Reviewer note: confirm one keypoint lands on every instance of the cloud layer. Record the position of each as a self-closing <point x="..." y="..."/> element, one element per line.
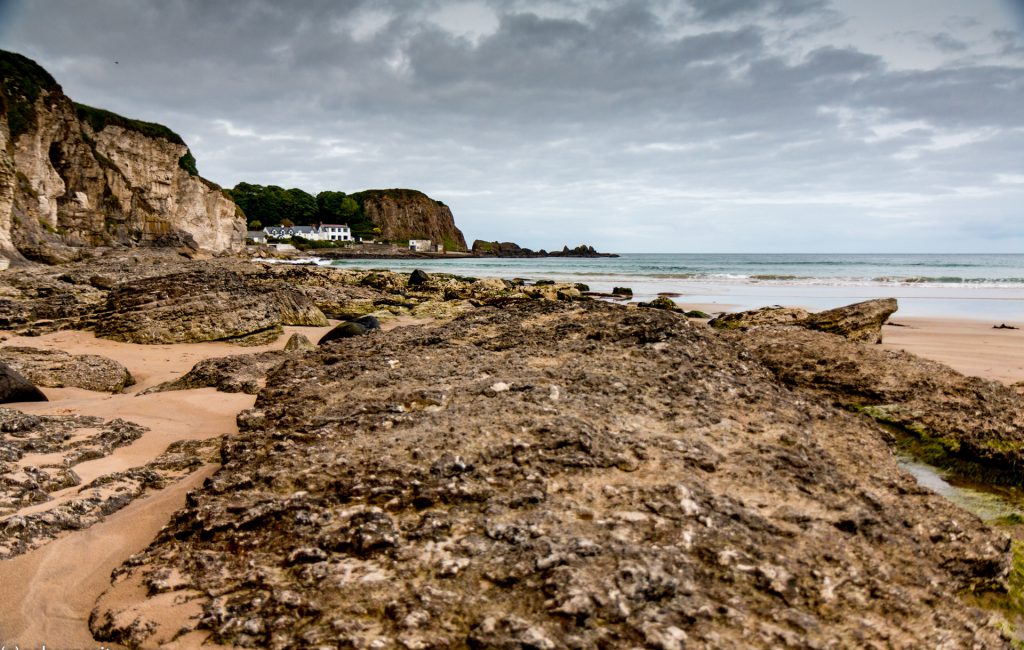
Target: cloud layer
<point x="703" y="126"/>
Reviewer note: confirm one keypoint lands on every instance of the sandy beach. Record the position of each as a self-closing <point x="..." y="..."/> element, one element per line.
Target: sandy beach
<point x="973" y="347"/>
<point x="50" y="591"/>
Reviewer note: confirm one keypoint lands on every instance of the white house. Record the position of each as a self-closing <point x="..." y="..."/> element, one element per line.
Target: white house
<point x="335" y="232"/>
<point x="256" y="236"/>
<point x="323" y="232"/>
<point x="420" y="245"/>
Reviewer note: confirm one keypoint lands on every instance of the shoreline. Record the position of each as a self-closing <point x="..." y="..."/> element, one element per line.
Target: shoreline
<point x="965" y="300"/>
<point x="63" y="579"/>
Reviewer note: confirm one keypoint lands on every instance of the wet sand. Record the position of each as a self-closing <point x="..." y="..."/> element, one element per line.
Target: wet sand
<point x="48" y="593"/>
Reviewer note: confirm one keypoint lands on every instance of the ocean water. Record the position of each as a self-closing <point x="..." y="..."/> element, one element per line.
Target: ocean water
<point x="986" y="287"/>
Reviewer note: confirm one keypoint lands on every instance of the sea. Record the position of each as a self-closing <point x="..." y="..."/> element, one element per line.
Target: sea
<point x="984" y="287"/>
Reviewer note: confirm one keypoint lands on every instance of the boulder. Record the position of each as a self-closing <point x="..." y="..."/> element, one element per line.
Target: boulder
<point x="418" y="277"/>
<point x="204" y="304"/>
<point x="348" y="329"/>
<point x="661" y="302"/>
<point x="858" y="322"/>
<point x="15" y="388"/>
<point x="58" y="369"/>
<point x="240" y="373"/>
<point x="298" y="343"/>
<point x="763" y="317"/>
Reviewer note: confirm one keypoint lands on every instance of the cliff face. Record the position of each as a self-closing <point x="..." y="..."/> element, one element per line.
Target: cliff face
<point x="409" y="214"/>
<point x="72" y="176"/>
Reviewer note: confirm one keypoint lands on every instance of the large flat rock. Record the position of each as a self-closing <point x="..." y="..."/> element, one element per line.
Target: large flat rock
<point x="58" y="369"/>
<point x="554" y="475"/>
<point x="206" y="304"/>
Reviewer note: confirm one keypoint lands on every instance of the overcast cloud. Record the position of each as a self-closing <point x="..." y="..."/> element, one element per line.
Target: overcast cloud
<point x="667" y="125"/>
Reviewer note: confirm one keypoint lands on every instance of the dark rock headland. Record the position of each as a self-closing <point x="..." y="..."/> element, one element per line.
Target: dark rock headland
<point x="509" y="249"/>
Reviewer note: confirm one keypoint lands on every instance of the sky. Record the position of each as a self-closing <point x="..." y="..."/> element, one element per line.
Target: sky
<point x="641" y="126"/>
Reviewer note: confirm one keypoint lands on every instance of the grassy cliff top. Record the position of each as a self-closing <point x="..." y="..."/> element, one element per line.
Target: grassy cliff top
<point x="21" y="74"/>
<point x="99" y="119"/>
<point x="21" y="82"/>
<point x="398" y="194"/>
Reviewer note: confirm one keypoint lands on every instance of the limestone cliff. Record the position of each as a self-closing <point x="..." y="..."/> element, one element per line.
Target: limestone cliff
<point x="72" y="176"/>
<point x="408" y="214"/>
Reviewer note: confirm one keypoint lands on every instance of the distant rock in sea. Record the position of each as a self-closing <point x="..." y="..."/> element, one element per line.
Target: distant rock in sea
<point x="483" y="248"/>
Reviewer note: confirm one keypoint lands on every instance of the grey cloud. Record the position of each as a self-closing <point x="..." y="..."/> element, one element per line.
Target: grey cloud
<point x="947" y="43"/>
<point x="567" y="116"/>
<point x="716" y="10"/>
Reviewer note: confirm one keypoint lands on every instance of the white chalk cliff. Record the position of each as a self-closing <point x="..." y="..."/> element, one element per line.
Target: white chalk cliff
<point x="73" y="177"/>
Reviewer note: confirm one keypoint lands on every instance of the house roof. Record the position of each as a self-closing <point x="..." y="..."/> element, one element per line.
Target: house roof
<point x="334" y="225"/>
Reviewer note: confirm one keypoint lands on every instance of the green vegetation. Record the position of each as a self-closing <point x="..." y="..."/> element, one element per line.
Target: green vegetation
<point x="1009" y="603"/>
<point x="21" y="82"/>
<point x="271" y="205"/>
<point x="100" y="119"/>
<point x="972" y="462"/>
<point x="188" y="163"/>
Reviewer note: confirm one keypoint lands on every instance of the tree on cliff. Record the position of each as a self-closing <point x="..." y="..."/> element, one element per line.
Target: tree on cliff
<point x="271" y="204"/>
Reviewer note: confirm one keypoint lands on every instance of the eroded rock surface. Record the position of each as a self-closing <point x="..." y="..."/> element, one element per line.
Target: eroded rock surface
<point x="77" y="509"/>
<point x="861" y="321"/>
<point x="58" y="369"/>
<point x="241" y="373"/>
<point x="554" y="474"/>
<point x="957" y="418"/>
<point x="763" y="317"/>
<point x="209" y="304"/>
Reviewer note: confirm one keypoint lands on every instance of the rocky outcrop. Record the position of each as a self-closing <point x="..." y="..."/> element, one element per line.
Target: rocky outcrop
<point x="348" y="329"/>
<point x="16" y="388"/>
<point x="483" y="248"/>
<point x="240" y="373"/>
<point x="861" y="321"/>
<point x="963" y="423"/>
<point x="402" y="215"/>
<point x="206" y="304"/>
<point x="72" y="176"/>
<point x="58" y="369"/>
<point x="113" y="293"/>
<point x="556" y="474"/>
<point x="858" y="322"/>
<point x="40" y="501"/>
<point x="762" y="317"/>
